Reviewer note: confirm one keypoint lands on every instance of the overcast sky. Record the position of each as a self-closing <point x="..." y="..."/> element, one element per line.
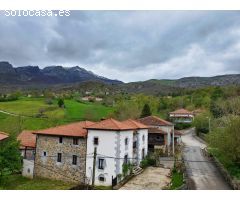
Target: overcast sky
<point x="127" y="45"/>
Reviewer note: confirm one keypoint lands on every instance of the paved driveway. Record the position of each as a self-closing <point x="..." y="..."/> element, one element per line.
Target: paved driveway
<point x="153" y="178"/>
<point x="204" y="174"/>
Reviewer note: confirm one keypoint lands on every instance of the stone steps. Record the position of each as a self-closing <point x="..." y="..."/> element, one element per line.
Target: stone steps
<point x="137" y="170"/>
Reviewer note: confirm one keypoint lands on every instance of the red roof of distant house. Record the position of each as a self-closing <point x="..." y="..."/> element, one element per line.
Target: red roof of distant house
<point x="110" y="124"/>
<point x="74" y="129"/>
<point x="27" y="139"/>
<point x="154" y="121"/>
<point x="3" y="136"/>
<point x="135" y="124"/>
<point x="181" y="111"/>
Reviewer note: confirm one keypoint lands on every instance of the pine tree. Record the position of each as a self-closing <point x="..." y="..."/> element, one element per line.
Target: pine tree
<point x="146" y="111"/>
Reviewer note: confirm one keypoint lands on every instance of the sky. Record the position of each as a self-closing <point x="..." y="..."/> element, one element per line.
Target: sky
<point x="127" y="45"/>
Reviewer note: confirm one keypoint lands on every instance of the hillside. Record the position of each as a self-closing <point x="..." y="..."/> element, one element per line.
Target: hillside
<point x="58" y="78"/>
<point x="33" y="75"/>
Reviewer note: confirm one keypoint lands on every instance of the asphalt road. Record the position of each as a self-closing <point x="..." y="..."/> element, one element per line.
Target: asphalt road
<point x="203" y="173"/>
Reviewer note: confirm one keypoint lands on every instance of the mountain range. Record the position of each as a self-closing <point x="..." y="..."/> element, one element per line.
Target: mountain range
<point x="61" y="77"/>
<point x="32" y="75"/>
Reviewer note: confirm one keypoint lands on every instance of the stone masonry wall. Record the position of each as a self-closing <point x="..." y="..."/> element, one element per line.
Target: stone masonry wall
<point x="48" y="167"/>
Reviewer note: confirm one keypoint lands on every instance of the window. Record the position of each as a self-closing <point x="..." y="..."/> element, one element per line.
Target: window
<point x="74" y="160"/>
<point x="75" y="141"/>
<point x="44" y="153"/>
<point x="59" y="157"/>
<point x="126" y="141"/>
<point x="126" y="159"/>
<point x="101" y="163"/>
<point x="135" y="144"/>
<point x="95" y="140"/>
<point x="143" y="154"/>
<point x="60" y="140"/>
<point x="143" y="138"/>
<point x="101" y="178"/>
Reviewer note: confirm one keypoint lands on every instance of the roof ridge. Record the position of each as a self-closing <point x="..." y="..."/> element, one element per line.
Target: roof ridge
<point x="114" y="121"/>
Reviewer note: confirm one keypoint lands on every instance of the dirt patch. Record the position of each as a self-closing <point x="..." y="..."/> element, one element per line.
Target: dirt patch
<point x="153" y="178"/>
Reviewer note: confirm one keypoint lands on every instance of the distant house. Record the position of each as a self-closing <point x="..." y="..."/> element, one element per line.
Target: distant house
<point x="3" y="136"/>
<point x="61" y="152"/>
<point x="160" y="133"/>
<point x="27" y="147"/>
<point x="91" y="98"/>
<point x="116" y="143"/>
<point x="181" y="116"/>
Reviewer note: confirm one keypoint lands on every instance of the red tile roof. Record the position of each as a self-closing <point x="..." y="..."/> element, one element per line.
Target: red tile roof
<point x="154" y="121"/>
<point x="27" y="139"/>
<point x="74" y="129"/>
<point x="135" y="124"/>
<point x="3" y="136"/>
<point x="110" y="124"/>
<point x="181" y="111"/>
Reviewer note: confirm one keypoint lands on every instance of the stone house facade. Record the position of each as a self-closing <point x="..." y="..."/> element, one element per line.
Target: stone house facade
<point x="61" y="152"/>
<point x="54" y="160"/>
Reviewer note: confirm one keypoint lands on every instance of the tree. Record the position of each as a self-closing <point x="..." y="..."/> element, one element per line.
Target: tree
<point x="60" y="103"/>
<point x="146" y="111"/>
<point x="10" y="157"/>
<point x="227" y="141"/>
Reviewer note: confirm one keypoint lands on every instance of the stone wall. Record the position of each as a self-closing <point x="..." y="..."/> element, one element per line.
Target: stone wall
<point x="48" y="167"/>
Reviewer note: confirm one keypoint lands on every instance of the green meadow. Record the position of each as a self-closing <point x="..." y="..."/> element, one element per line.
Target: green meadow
<point x="52" y="115"/>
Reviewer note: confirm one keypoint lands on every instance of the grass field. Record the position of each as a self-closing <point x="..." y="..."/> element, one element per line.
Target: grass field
<point x="74" y="111"/>
<point x="17" y="182"/>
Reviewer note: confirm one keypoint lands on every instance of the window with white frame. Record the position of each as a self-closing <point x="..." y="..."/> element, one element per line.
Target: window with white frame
<point x="95" y="141"/>
<point x="101" y="163"/>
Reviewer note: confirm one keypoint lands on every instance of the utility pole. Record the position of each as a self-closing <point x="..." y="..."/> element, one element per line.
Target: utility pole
<point x="94" y="165"/>
<point x="173" y="148"/>
<point x="209" y="123"/>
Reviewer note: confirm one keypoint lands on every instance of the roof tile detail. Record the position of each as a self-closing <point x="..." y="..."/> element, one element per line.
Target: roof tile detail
<point x="76" y="129"/>
<point x="27" y="139"/>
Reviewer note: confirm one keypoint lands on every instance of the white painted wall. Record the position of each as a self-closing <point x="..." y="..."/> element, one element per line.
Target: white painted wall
<point x="28" y="166"/>
<point x="112" y="144"/>
<point x="142" y="144"/>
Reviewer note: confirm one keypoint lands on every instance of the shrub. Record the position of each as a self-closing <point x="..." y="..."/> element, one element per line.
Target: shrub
<point x="144" y="164"/>
<point x="60" y="103"/>
<point x="181" y="126"/>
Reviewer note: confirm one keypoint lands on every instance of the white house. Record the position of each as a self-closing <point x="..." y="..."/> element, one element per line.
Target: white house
<point x="181" y="116"/>
<point x="116" y="143"/>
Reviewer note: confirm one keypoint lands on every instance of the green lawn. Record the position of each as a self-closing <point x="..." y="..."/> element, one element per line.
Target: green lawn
<point x="17" y="182"/>
<point x="74" y="111"/>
